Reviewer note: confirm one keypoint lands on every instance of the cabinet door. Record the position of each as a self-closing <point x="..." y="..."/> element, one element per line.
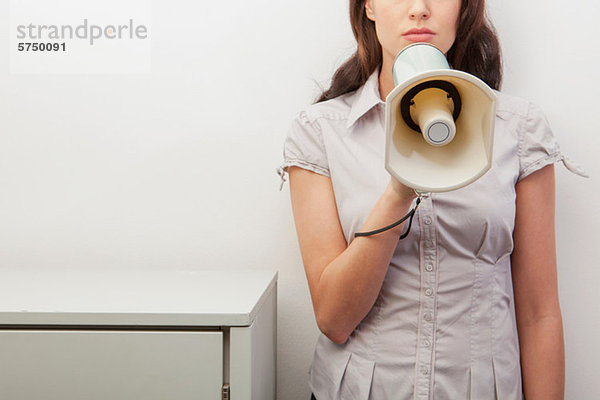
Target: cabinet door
<point x="115" y="365"/>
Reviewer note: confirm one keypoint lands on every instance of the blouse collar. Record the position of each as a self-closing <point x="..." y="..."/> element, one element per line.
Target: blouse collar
<point x="367" y="97"/>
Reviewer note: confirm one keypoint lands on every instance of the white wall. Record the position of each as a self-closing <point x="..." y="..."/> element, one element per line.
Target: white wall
<point x="177" y="167"/>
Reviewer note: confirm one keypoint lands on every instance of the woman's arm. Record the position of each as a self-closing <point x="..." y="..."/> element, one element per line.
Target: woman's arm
<point x="537" y="307"/>
<point x="344" y="281"/>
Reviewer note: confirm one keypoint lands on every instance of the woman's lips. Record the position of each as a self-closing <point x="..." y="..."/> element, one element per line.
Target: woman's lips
<point x="418" y="37"/>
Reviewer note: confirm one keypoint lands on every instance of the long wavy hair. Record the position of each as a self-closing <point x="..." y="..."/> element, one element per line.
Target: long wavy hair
<point x="476" y="49"/>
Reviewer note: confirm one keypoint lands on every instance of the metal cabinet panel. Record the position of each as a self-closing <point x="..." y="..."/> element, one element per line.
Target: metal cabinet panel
<point x="116" y="365"/>
<point x="253" y="374"/>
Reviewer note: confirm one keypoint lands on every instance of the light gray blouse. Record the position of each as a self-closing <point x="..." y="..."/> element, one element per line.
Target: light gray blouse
<point x="443" y="326"/>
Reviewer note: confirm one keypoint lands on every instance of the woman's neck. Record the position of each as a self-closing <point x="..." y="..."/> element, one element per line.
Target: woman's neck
<point x="386" y="79"/>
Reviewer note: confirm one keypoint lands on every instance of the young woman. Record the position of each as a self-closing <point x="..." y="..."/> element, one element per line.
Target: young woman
<point x="466" y="306"/>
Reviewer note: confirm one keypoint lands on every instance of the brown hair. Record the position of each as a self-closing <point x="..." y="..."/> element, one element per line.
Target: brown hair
<point x="476" y="49"/>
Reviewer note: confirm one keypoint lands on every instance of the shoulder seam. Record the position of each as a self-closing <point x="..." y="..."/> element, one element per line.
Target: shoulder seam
<point x="506" y="107"/>
<point x="313" y="116"/>
<point x="524" y="121"/>
<point x="512" y="111"/>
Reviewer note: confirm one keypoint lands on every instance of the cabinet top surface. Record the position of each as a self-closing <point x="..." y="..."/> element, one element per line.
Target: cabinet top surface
<point x="133" y="297"/>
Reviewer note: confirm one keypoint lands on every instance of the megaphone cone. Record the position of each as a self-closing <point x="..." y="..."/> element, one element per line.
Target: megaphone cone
<point x="439" y="122"/>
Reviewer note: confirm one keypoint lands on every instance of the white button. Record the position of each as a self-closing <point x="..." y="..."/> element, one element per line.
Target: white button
<point x="424" y="370"/>
<point x="428" y="220"/>
<point x="427" y="317"/>
<point x="428" y="243"/>
<point x="426" y="343"/>
<point x="429" y="292"/>
<point x="429" y="267"/>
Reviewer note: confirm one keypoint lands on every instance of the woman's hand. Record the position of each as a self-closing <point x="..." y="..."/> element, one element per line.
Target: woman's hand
<point x="402" y="191"/>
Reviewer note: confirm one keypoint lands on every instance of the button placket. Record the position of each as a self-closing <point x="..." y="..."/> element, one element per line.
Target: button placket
<point x="428" y="255"/>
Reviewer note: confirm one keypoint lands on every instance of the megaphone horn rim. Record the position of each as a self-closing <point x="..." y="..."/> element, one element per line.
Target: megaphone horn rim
<point x="438" y="189"/>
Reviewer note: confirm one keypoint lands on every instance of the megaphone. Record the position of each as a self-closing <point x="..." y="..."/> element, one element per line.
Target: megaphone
<point x="439" y="122"/>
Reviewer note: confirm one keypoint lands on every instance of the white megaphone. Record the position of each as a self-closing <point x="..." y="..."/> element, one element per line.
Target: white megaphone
<point x="439" y="122"/>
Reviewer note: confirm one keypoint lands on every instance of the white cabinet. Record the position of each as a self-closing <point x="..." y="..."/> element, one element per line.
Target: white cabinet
<point x="123" y="334"/>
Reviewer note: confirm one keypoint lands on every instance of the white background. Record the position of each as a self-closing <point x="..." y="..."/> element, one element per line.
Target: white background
<point x="176" y="168"/>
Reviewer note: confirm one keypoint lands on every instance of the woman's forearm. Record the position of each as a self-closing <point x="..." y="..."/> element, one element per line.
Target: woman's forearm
<point x="543" y="358"/>
<point x="351" y="283"/>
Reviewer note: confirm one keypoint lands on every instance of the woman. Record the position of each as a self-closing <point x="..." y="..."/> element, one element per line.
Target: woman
<point x="435" y="315"/>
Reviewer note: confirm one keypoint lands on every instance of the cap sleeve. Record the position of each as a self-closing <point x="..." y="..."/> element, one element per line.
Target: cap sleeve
<point x="304" y="147"/>
<point x="538" y="146"/>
